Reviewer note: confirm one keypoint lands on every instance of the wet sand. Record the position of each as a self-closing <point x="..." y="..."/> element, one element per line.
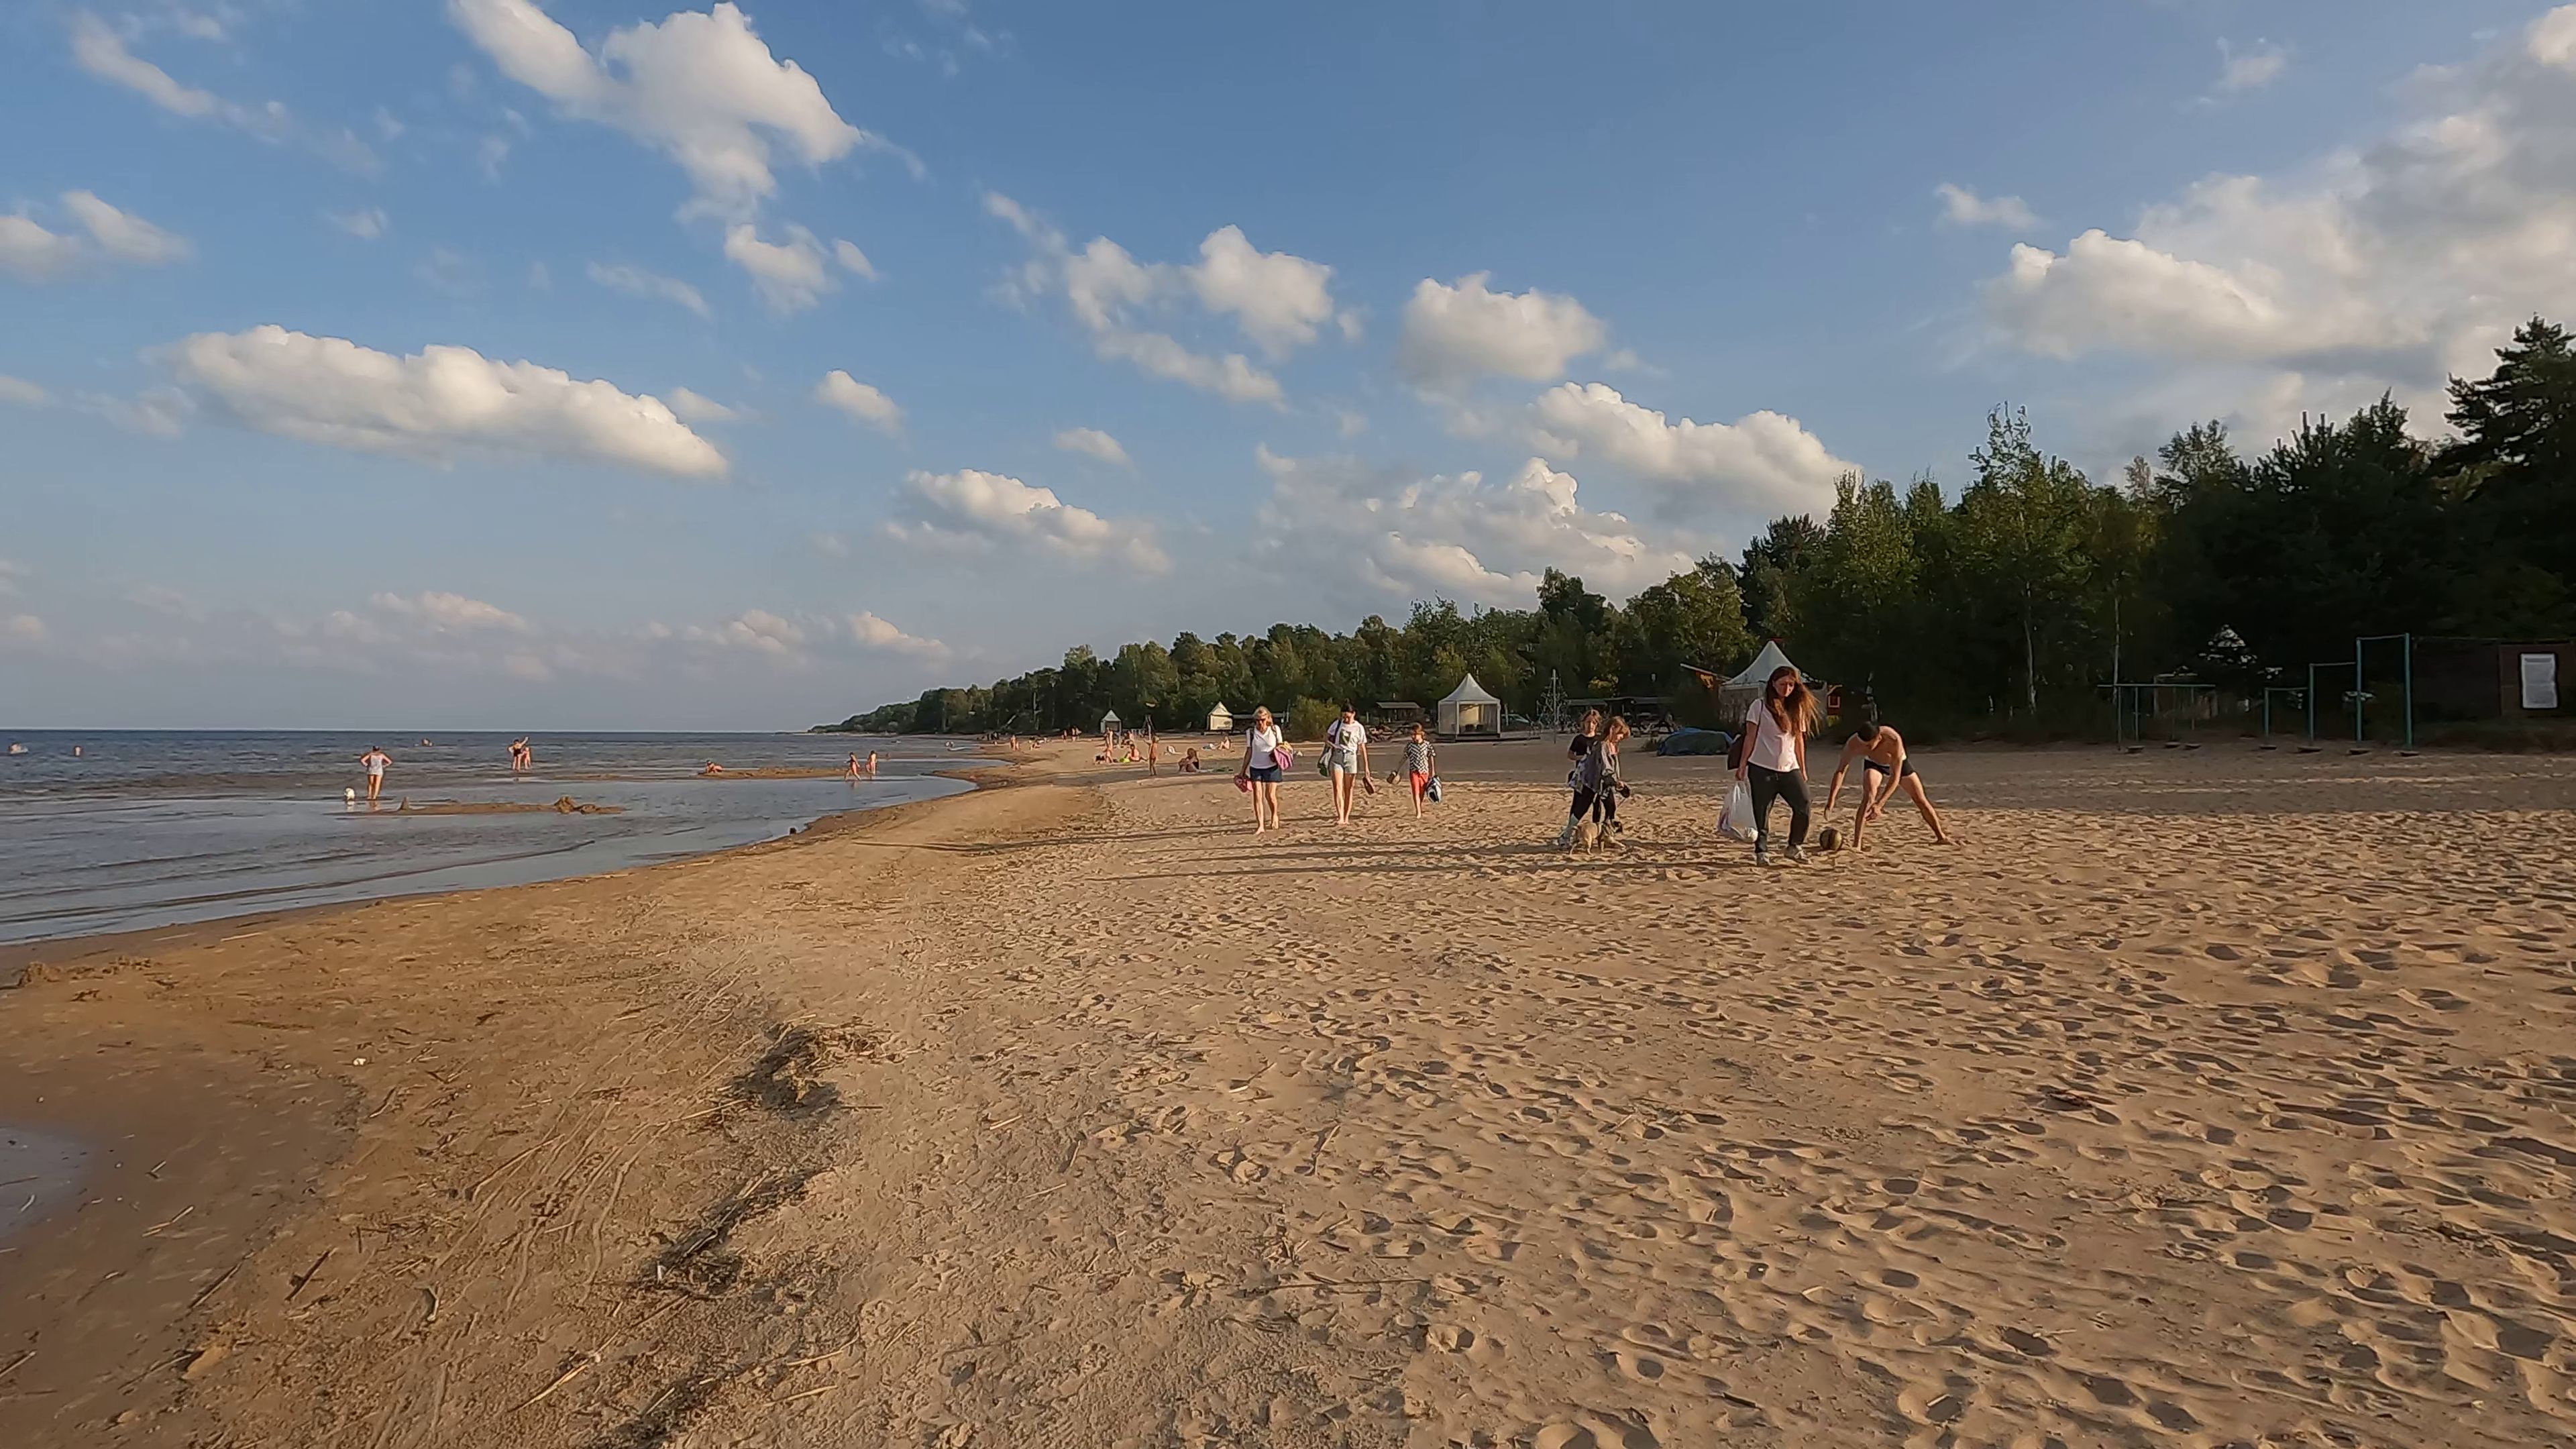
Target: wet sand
<point x="2199" y="1098"/>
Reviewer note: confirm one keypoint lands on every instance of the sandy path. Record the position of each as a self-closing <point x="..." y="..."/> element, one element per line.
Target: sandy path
<point x="2203" y="1098"/>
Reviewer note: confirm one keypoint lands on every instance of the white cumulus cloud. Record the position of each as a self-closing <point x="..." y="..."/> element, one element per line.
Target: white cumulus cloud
<point x="1277" y="300"/>
<point x="637" y="282"/>
<point x="99" y="49"/>
<point x="1398" y="535"/>
<point x="872" y="633"/>
<point x="19" y="392"/>
<point x="123" y="235"/>
<point x="31" y="252"/>
<point x="975" y="511"/>
<point x="1963" y="207"/>
<point x="437" y="404"/>
<point x="2391" y="263"/>
<point x="695" y="407"/>
<point x="447" y="611"/>
<point x="701" y="86"/>
<point x="22" y="629"/>
<point x="1093" y="443"/>
<point x="2250" y="69"/>
<point x="793" y="275"/>
<point x="1763" y="463"/>
<point x="1458" y="332"/>
<point x="840" y="390"/>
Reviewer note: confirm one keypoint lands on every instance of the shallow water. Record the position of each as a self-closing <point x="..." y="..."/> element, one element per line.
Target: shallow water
<point x="152" y="828"/>
<point x="39" y="1172"/>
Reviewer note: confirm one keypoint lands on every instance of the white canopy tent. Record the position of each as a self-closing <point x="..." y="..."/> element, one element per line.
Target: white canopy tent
<point x="1220" y="719"/>
<point x="1109" y="723"/>
<point x="1469" y="710"/>
<point x="1736" y="695"/>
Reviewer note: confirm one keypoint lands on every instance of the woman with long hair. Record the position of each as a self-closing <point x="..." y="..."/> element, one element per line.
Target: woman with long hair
<point x="1262" y="769"/>
<point x="1775" y="760"/>
<point x="1346" y="761"/>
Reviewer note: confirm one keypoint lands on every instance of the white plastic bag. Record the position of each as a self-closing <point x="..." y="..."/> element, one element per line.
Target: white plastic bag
<point x="1736" y="822"/>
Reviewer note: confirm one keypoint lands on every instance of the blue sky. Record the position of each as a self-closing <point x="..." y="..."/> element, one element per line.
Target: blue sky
<point x="473" y="363"/>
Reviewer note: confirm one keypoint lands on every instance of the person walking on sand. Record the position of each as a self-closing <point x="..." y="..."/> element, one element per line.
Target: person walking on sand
<point x="1346" y="761"/>
<point x="1265" y="762"/>
<point x="1597" y="786"/>
<point x="1577" y="750"/>
<point x="1421" y="762"/>
<point x="375" y="760"/>
<point x="1153" y="751"/>
<point x="1884" y="769"/>
<point x="1775" y="760"/>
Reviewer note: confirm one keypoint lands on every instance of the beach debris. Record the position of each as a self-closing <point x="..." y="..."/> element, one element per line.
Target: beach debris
<point x="204" y="1360"/>
<point x="701" y="1263"/>
<point x="566" y="805"/>
<point x="298" y="1284"/>
<point x="790" y="1078"/>
<point x="669" y="1412"/>
<point x="580" y="1363"/>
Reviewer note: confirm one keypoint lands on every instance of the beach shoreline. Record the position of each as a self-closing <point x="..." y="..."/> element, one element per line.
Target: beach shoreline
<point x="1061" y="1111"/>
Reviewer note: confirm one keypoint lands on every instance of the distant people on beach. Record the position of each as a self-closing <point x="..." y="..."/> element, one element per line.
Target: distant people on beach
<point x="711" y="768"/>
<point x="872" y="764"/>
<point x="1153" y="751"/>
<point x="1190" y="760"/>
<point x="853" y="772"/>
<point x="1266" y="759"/>
<point x="523" y="756"/>
<point x="1346" y="761"/>
<point x="1421" y="763"/>
<point x="1885" y="768"/>
<point x="1776" y="727"/>
<point x="374" y="762"/>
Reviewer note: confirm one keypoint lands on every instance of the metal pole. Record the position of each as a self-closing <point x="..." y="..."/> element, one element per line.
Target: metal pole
<point x="2312" y="704"/>
<point x="2357" y="703"/>
<point x="2410" y="690"/>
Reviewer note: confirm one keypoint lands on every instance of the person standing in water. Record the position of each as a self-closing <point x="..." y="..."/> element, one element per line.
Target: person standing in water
<point x="375" y="760"/>
<point x="852" y="774"/>
<point x="1884" y="769"/>
<point x="1775" y="759"/>
<point x="1262" y="769"/>
<point x="872" y="764"/>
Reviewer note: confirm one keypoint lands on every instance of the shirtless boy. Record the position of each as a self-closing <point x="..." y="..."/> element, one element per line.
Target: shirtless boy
<point x="1884" y="768"/>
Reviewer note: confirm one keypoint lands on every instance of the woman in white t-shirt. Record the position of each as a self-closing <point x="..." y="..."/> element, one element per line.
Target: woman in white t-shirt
<point x="1776" y="727"/>
<point x="1346" y="761"/>
<point x="1261" y="770"/>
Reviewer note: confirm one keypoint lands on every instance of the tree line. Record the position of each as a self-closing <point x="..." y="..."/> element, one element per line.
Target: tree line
<point x="2001" y="611"/>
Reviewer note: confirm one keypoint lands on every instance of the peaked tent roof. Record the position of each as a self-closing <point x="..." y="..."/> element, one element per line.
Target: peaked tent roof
<point x="1759" y="670"/>
<point x="1470" y="692"/>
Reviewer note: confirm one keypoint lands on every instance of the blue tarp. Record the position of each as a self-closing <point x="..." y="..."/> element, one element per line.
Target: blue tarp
<point x="1696" y="742"/>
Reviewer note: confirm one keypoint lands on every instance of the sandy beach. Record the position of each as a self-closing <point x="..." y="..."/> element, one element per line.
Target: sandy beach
<point x="2198" y="1098"/>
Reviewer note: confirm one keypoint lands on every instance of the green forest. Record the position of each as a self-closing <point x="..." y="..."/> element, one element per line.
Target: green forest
<point x="2001" y="612"/>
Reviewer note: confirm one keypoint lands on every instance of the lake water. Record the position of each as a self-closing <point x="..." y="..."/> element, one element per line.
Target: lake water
<point x="153" y="828"/>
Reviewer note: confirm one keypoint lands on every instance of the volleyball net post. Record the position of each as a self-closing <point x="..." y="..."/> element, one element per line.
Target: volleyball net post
<point x="2406" y="672"/>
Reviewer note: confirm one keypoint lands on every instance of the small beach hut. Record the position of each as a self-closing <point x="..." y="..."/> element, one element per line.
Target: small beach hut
<point x="1109" y="724"/>
<point x="1220" y="720"/>
<point x="1470" y="710"/>
<point x="1736" y="695"/>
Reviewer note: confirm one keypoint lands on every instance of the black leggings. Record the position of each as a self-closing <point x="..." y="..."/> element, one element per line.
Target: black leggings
<point x="1770" y="785"/>
<point x="1601" y="805"/>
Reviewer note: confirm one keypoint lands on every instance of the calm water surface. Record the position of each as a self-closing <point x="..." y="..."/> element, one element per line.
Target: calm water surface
<point x="152" y="828"/>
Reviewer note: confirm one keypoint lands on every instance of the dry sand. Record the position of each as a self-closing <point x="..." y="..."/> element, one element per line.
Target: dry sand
<point x="2200" y="1098"/>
